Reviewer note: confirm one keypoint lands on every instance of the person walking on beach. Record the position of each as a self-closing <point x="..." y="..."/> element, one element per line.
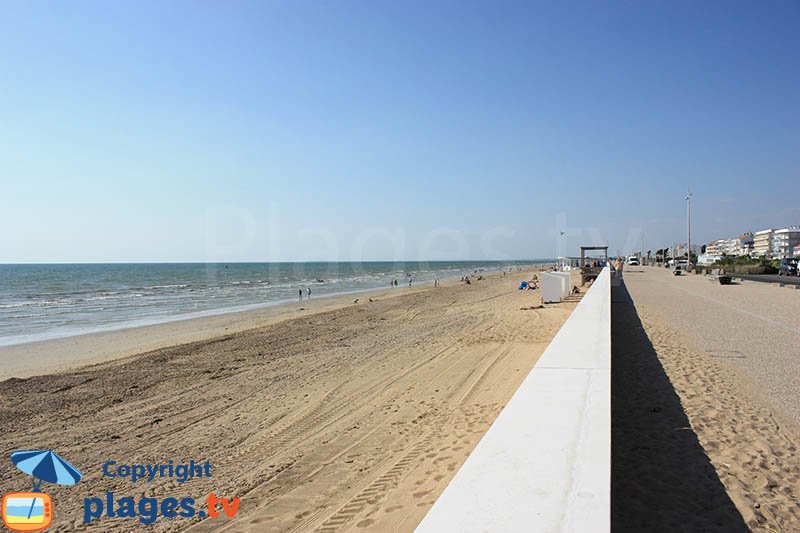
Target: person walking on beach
<point x="308" y="290"/>
<point x="300" y="292"/>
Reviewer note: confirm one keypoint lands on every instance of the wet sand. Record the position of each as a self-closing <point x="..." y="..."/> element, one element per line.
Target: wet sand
<point x="29" y="359"/>
<point x="350" y="418"/>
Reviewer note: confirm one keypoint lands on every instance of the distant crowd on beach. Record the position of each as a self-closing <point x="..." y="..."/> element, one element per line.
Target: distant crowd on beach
<point x="394" y="283"/>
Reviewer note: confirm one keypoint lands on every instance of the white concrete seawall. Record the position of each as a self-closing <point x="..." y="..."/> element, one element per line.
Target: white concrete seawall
<point x="545" y="463"/>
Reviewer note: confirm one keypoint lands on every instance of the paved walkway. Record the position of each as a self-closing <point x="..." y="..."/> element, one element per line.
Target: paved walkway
<point x="753" y="326"/>
<point x="661" y="478"/>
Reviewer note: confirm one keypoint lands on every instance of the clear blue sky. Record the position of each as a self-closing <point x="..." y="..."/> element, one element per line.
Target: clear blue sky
<point x="181" y="131"/>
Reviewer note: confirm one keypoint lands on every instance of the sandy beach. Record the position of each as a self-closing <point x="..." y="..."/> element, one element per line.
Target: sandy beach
<point x="338" y="417"/>
<point x="705" y="433"/>
<point x="32" y="358"/>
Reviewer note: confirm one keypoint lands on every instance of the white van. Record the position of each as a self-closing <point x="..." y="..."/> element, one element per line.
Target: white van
<point x="633" y="261"/>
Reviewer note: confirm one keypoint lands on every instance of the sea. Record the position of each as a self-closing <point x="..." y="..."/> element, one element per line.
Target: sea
<point x="48" y="301"/>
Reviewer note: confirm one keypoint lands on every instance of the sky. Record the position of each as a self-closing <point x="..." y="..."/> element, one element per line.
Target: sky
<point x="301" y="131"/>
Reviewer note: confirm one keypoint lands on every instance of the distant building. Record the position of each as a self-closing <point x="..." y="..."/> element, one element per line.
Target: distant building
<point x="762" y="243"/>
<point x="784" y="241"/>
<point x="745" y="243"/>
<point x="797" y="251"/>
<point x="741" y="245"/>
<point x="706" y="259"/>
<point x="680" y="249"/>
<point x="714" y="247"/>
<point x="730" y="247"/>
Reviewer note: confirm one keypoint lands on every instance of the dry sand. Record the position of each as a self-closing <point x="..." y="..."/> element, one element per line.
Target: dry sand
<point x="704" y="430"/>
<point x="345" y="419"/>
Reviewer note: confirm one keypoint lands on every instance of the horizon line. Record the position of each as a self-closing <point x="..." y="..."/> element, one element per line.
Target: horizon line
<point x="270" y="262"/>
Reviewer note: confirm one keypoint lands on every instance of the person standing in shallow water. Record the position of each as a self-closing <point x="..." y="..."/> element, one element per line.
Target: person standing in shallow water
<point x="308" y="289"/>
<point x="300" y="292"/>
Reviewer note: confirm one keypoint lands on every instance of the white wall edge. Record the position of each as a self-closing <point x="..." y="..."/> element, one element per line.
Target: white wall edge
<point x="545" y="463"/>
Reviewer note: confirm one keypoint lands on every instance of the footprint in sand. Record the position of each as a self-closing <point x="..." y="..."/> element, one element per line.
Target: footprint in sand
<point x="365" y="523"/>
<point x="421" y="493"/>
<point x="393" y="508"/>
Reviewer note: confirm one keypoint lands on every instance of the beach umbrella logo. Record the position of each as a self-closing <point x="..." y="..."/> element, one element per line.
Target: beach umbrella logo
<point x="33" y="511"/>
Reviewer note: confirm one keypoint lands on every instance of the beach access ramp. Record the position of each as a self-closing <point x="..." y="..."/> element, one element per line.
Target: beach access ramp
<point x="545" y="463"/>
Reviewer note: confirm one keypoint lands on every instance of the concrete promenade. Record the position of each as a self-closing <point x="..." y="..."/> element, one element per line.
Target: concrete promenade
<point x="705" y="397"/>
<point x="753" y="326"/>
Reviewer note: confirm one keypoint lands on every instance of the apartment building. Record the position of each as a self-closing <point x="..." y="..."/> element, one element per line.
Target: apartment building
<point x="741" y="245"/>
<point x="744" y="244"/>
<point x="762" y="243"/>
<point x="715" y="247"/>
<point x="784" y="241"/>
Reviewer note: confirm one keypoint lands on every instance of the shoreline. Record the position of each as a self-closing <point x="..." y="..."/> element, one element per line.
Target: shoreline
<point x="166" y="319"/>
<point x="76" y="319"/>
<point x="27" y="359"/>
<point x="71" y="352"/>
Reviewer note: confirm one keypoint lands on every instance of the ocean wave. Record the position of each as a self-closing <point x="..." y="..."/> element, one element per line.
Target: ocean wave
<point x="16" y="305"/>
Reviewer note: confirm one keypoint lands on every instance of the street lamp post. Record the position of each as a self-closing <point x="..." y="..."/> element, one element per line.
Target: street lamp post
<point x="689" y="228"/>
<point x="641" y="254"/>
